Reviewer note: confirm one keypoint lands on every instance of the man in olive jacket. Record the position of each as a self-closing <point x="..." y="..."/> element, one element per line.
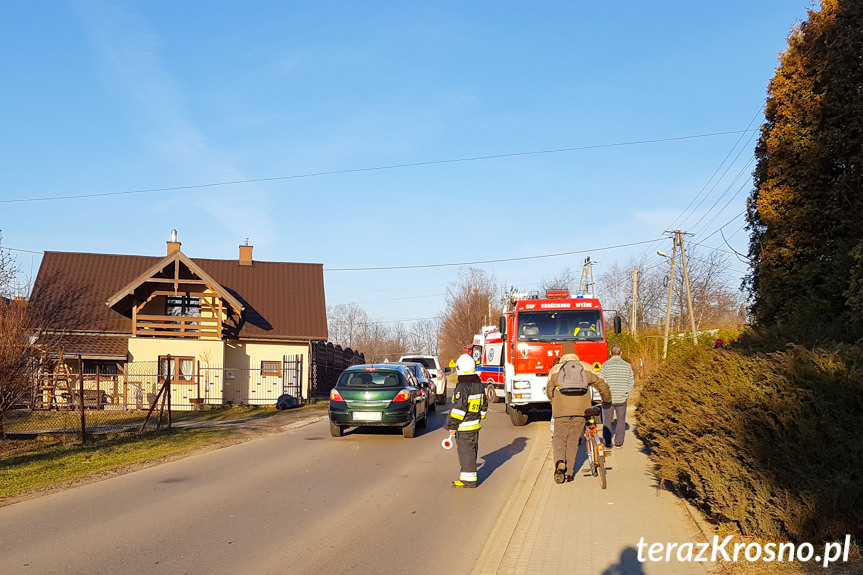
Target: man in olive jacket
<point x="568" y="413"/>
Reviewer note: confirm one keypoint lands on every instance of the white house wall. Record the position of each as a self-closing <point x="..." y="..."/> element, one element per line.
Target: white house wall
<point x="244" y="358"/>
<point x="145" y="351"/>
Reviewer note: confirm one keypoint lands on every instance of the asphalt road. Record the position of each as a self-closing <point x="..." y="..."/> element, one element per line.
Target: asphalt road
<point x="296" y="502"/>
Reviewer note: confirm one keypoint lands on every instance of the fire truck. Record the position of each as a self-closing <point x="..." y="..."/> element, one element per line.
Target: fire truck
<point x="533" y="329"/>
<point x="487" y="352"/>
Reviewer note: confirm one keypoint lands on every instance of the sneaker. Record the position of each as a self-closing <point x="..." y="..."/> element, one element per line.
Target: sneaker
<point x="569" y="478"/>
<point x="466" y="484"/>
<point x="559" y="471"/>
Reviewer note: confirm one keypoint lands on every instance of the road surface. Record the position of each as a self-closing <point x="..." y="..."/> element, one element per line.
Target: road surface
<point x="295" y="502"/>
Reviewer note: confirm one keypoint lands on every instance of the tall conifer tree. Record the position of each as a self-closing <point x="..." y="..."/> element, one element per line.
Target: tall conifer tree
<point x="805" y="214"/>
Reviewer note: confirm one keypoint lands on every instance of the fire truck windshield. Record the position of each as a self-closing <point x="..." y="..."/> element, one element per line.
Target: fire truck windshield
<point x="560" y="325"/>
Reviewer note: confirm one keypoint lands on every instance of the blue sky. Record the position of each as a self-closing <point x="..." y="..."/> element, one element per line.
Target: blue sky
<point x="383" y="134"/>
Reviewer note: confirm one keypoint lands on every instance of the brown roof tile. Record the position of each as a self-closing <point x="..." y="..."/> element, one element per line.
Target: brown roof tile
<point x="94" y="346"/>
<point x="282" y="300"/>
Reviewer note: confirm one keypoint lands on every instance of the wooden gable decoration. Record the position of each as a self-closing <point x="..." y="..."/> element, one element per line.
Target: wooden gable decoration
<point x="178" y="275"/>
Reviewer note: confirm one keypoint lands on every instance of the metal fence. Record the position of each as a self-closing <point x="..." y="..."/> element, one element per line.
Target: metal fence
<point x="327" y="364"/>
<point x="105" y="397"/>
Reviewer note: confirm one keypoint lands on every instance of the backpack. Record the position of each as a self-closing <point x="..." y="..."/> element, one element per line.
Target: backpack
<point x="571" y="378"/>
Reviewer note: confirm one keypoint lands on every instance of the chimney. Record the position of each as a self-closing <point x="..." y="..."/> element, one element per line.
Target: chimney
<point x="246" y="254"/>
<point x="173" y="245"/>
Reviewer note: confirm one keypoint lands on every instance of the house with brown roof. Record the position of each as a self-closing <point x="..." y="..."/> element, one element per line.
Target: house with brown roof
<point x="223" y="331"/>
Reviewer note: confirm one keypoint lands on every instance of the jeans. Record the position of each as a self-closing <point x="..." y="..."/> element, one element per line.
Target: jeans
<point x="608" y="414"/>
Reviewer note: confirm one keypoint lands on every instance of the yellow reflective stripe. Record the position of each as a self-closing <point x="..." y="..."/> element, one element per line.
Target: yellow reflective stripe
<point x="475" y="396"/>
<point x="469" y="425"/>
<point x="467" y="476"/>
<point x="457" y="413"/>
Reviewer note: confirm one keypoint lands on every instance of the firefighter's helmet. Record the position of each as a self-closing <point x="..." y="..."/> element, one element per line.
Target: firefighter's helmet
<point x="465" y="365"/>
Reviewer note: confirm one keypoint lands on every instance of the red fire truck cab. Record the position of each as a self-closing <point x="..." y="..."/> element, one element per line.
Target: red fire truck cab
<point x="533" y="330"/>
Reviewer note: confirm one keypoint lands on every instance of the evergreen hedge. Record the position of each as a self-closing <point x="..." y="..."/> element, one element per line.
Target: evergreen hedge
<point x="769" y="441"/>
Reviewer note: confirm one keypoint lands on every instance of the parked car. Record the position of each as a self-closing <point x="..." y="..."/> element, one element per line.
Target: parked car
<point x="432" y="364"/>
<point x="386" y="394"/>
<point x="426" y="381"/>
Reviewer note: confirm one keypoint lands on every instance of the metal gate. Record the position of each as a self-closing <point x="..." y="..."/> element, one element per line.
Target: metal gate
<point x="292" y="375"/>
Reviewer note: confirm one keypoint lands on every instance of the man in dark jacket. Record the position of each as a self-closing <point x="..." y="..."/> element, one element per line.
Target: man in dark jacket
<point x="568" y="413"/>
<point x="469" y="405"/>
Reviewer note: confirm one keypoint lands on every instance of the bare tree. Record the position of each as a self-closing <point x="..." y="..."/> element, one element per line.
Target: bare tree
<point x="470" y="303"/>
<point x="376" y="342"/>
<point x="345" y="323"/>
<point x="565" y="280"/>
<point x="715" y="302"/>
<point x="350" y="326"/>
<point x="9" y="270"/>
<point x="19" y="354"/>
<point x="614" y="289"/>
<point x="423" y="337"/>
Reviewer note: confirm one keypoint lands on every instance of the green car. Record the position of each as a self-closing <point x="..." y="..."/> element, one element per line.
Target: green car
<point x="377" y="395"/>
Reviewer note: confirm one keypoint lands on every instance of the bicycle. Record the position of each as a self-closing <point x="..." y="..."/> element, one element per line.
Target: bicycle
<point x="595" y="445"/>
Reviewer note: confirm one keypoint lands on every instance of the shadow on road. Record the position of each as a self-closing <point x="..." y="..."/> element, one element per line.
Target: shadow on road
<point x="628" y="564"/>
<point x="498" y="457"/>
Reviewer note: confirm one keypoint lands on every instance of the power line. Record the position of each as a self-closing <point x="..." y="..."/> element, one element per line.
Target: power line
<point x="683" y="214"/>
<point x="371" y="169"/>
<point x="378" y="268"/>
<point x="719" y="167"/>
<point x="485" y="261"/>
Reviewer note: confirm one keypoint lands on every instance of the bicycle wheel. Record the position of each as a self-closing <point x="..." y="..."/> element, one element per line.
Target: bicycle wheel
<point x="599" y="461"/>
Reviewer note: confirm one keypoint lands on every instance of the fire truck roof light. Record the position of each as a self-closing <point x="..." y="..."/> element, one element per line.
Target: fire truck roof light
<point x="580" y="295"/>
<point x="557" y="294"/>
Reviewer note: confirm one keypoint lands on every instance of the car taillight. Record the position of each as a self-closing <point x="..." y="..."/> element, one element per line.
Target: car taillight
<point x="403" y="395"/>
<point x="335" y="395"/>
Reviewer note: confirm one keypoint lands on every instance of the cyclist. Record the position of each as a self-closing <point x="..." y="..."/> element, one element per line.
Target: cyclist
<point x="568" y="413"/>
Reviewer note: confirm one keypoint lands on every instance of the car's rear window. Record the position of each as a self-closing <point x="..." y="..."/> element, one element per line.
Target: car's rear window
<point x="377" y="378"/>
<point x="426" y="361"/>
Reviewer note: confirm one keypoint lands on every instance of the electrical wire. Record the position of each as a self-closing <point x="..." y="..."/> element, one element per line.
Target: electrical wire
<point x="683" y="214"/>
<point x="425" y="266"/>
<point x="371" y="169"/>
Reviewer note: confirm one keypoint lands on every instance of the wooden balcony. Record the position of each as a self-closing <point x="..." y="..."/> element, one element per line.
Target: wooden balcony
<point x="168" y="326"/>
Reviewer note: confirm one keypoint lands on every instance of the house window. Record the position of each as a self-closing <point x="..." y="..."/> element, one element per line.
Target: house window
<point x="271" y="368"/>
<point x="183" y="305"/>
<point x="182" y="368"/>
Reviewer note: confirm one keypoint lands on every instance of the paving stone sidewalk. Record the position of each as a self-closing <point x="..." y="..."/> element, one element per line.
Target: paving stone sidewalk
<point x="579" y="528"/>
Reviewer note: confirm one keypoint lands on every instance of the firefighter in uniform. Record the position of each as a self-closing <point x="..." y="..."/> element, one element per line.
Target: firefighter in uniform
<point x="469" y="405"/>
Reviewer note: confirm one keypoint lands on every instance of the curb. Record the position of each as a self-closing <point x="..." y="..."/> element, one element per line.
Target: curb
<point x="303" y="423"/>
<point x="495" y="547"/>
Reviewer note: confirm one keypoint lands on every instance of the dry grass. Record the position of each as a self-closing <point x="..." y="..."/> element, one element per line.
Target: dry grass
<point x="57" y="461"/>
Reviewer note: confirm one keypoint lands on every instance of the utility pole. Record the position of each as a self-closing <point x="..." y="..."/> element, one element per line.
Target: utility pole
<point x="585" y="286"/>
<point x="688" y="293"/>
<point x="634" y="299"/>
<point x="678" y="241"/>
<point x="668" y="308"/>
